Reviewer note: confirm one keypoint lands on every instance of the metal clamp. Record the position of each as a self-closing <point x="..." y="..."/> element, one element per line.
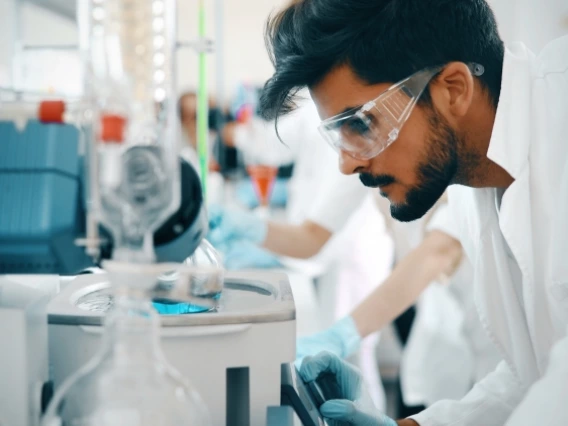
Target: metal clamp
<point x="201" y="45"/>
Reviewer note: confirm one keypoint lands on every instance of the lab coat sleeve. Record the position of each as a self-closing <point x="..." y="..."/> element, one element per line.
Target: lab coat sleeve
<point x="545" y="403"/>
<point x="489" y="403"/>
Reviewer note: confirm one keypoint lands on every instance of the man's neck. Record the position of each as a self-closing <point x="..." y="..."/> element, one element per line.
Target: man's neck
<point x="476" y="170"/>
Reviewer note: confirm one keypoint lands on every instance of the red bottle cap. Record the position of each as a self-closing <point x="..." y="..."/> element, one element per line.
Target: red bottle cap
<point x="112" y="128"/>
<point x="51" y="111"/>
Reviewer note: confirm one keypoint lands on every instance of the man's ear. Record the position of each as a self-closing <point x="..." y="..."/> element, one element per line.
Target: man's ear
<point x="452" y="90"/>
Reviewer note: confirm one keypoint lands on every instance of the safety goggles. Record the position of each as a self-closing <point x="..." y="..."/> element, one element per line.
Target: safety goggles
<point x="364" y="132"/>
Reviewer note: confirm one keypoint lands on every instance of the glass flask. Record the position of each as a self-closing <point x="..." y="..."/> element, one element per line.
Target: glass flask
<point x="129" y="382"/>
<point x="206" y="276"/>
<point x="262" y="168"/>
<point x="207" y="260"/>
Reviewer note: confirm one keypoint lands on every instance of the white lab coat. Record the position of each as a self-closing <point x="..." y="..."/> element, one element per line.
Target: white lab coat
<point x="447" y="350"/>
<point x="359" y="255"/>
<point x="524" y="317"/>
<point x="545" y="402"/>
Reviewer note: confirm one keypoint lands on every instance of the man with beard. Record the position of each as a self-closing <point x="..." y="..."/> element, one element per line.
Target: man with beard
<point x="416" y="96"/>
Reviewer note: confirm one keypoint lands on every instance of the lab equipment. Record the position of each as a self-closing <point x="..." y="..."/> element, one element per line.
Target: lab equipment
<point x="341" y="339"/>
<point x="45" y="173"/>
<point x="208" y="271"/>
<point x="364" y="132"/>
<point x="135" y="184"/>
<point x="303" y="398"/>
<point x="129" y="195"/>
<point x="129" y="379"/>
<point x="261" y="163"/>
<point x="232" y="354"/>
<point x="262" y="177"/>
<point x="25" y="386"/>
<point x="41" y="196"/>
<point x="138" y="204"/>
<point x="130" y="57"/>
<point x="246" y="194"/>
<point x="342" y="388"/>
<point x="205" y="282"/>
<point x="43" y="241"/>
<point x="231" y="224"/>
<point x="338" y="377"/>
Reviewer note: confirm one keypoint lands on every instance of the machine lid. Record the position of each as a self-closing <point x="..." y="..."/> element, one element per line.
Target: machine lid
<point x="247" y="297"/>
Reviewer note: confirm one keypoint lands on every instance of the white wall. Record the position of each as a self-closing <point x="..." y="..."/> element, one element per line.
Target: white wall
<point x="245" y="57"/>
<point x="244" y="53"/>
<point x="6" y="42"/>
<point x="36" y="26"/>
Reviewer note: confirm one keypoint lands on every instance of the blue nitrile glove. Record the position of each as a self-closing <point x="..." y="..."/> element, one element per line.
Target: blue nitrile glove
<point x="226" y="225"/>
<point x="246" y="194"/>
<point x="341" y="339"/>
<point x="242" y="254"/>
<point x="342" y="411"/>
<point x="353" y="406"/>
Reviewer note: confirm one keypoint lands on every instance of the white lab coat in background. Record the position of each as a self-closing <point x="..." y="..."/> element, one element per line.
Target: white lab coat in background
<point x="447" y="350"/>
<point x="518" y="250"/>
<point x="359" y="255"/>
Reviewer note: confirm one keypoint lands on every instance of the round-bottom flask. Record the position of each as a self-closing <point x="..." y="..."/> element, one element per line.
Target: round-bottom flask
<point x="206" y="279"/>
<point x="129" y="382"/>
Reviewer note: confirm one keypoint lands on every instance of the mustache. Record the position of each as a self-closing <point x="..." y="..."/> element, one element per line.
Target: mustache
<point x="372" y="181"/>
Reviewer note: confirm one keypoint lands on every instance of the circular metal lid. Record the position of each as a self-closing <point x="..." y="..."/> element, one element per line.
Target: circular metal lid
<point x="247" y="297"/>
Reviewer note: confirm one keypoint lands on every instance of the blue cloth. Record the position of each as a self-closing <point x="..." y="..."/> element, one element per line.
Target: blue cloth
<point x="349" y="408"/>
<point x="247" y="196"/>
<point x="226" y="225"/>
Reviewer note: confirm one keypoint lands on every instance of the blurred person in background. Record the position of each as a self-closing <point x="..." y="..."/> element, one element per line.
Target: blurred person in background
<point x="187" y="110"/>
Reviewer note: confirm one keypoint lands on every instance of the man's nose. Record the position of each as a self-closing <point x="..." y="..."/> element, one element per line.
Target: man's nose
<point x="349" y="165"/>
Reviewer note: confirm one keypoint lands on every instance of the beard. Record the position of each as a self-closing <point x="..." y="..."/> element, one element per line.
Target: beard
<point x="435" y="173"/>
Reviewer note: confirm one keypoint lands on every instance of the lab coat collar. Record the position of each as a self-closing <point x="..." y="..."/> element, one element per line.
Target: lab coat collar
<point x="509" y="144"/>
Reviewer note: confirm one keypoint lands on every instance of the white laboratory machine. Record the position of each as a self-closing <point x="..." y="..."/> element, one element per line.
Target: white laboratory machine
<point x="232" y="354"/>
